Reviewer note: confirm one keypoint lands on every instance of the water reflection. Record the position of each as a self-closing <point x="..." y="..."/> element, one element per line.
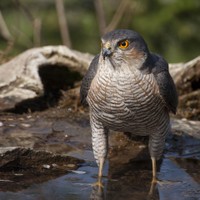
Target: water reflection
<point x="129" y="181"/>
<point x="133" y="181"/>
<point x="98" y="193"/>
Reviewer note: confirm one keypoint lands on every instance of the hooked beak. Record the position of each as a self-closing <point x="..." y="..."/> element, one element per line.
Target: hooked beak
<point x="106" y="52"/>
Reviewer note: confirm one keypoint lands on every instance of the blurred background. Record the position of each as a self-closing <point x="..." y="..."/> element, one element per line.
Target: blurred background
<point x="170" y="27"/>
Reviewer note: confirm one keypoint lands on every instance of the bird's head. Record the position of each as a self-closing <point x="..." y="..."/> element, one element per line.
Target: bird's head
<point x="124" y="47"/>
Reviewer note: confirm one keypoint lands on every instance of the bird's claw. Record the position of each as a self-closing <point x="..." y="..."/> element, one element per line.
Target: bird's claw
<point x="157" y="181"/>
<point x="98" y="184"/>
<point x="153" y="186"/>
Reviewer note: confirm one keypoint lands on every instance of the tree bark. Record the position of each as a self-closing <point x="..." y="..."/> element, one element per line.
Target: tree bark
<point x="187" y="79"/>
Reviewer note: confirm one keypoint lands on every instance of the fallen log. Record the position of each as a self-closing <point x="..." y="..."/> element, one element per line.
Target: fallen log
<point x="187" y="79"/>
<point x="186" y="75"/>
<point x="44" y="72"/>
<point x="27" y="75"/>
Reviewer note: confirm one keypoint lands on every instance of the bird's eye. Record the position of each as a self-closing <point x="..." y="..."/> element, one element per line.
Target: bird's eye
<point x="123" y="44"/>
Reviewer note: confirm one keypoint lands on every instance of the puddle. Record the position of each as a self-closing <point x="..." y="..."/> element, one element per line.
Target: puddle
<point x="124" y="176"/>
<point x="71" y="186"/>
<point x="176" y="184"/>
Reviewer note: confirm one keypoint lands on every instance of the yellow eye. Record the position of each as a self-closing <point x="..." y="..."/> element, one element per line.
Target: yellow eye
<point x="123" y="44"/>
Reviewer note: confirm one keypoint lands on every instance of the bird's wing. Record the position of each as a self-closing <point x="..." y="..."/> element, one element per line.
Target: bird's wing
<point x="165" y="83"/>
<point x="87" y="79"/>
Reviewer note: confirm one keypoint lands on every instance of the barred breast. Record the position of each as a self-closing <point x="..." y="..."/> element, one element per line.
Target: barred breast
<point x="128" y="101"/>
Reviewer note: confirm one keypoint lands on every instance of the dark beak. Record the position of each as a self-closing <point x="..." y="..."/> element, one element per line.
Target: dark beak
<point x="106" y="52"/>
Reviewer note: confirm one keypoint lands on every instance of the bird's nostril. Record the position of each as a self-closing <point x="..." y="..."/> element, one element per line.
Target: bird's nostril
<point x="106" y="52"/>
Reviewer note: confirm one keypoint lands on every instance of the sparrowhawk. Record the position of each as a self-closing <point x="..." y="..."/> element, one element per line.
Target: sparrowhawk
<point x="128" y="89"/>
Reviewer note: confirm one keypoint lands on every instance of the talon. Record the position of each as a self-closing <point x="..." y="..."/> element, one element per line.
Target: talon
<point x="98" y="183"/>
<point x="154" y="182"/>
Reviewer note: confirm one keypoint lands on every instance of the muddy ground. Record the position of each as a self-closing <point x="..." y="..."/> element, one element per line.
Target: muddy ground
<point x="47" y="155"/>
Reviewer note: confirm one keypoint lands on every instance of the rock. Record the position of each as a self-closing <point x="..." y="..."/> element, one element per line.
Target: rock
<point x="33" y="167"/>
<point x="26" y="159"/>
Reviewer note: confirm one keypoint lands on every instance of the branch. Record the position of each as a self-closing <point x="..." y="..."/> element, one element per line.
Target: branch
<point x="118" y="15"/>
<point x="100" y="16"/>
<point x="4" y="29"/>
<point x="63" y="23"/>
<point x="36" y="22"/>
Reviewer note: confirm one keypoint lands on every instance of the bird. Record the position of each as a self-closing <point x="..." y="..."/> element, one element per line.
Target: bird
<point x="128" y="89"/>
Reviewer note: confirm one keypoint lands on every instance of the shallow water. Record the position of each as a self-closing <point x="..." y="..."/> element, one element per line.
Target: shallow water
<point x="179" y="173"/>
<point x="175" y="184"/>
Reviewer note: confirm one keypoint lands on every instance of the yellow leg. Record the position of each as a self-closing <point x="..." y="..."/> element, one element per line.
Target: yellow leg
<point x="99" y="181"/>
<point x="101" y="162"/>
<point x="154" y="179"/>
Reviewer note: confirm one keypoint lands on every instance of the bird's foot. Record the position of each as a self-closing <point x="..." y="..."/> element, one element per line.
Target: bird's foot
<point x="154" y="182"/>
<point x="167" y="182"/>
<point x="160" y="182"/>
<point x="98" y="184"/>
